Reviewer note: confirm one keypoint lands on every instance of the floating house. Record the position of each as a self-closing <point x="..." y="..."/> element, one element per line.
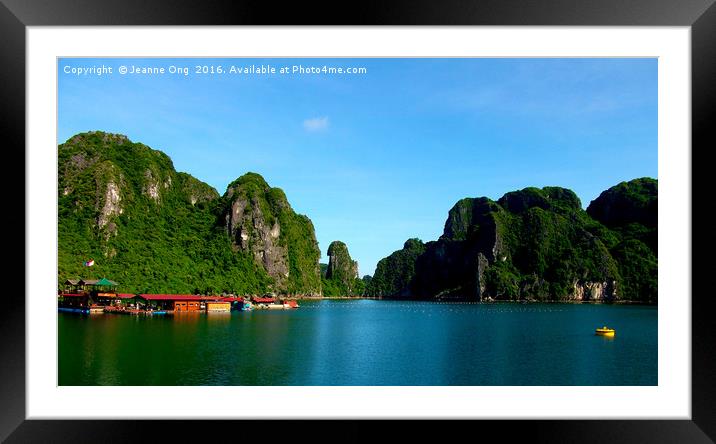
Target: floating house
<point x="175" y="302"/>
<point x="89" y="285"/>
<point x="71" y="286"/>
<point x="88" y="294"/>
<point x="100" y="295"/>
<point x="74" y="301"/>
<point x="184" y="302"/>
<point x="103" y="285"/>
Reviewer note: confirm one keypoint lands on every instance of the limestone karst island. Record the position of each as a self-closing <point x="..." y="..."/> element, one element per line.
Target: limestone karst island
<point x="136" y="236"/>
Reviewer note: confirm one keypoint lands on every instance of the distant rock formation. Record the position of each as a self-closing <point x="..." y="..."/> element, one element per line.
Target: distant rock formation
<point x="533" y="244"/>
<point x="341" y="276"/>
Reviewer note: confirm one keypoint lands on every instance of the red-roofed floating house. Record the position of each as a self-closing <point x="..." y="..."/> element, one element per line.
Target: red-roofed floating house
<point x="86" y="296"/>
<point x="185" y="302"/>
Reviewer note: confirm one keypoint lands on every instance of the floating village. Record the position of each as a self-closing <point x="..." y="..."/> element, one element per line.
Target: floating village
<point x="101" y="296"/>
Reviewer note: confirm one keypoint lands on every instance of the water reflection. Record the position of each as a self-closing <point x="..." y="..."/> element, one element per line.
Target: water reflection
<point x="364" y="342"/>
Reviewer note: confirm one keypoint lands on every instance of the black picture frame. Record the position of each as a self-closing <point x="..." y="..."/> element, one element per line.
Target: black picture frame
<point x="700" y="15"/>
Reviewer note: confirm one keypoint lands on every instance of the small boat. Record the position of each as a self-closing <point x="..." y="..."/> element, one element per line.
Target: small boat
<point x="604" y="331"/>
<point x="74" y="310"/>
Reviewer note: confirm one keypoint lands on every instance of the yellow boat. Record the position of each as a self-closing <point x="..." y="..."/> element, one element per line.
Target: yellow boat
<point x="605" y="331"/>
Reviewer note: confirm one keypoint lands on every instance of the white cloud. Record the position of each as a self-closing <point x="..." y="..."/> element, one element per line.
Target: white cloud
<point x="315" y="124"/>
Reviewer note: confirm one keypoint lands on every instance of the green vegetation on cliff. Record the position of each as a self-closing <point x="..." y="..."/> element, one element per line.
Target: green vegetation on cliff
<point x="340" y="276"/>
<point x="394" y="274"/>
<point x="155" y="230"/>
<point x="630" y="209"/>
<point x="535" y="244"/>
<point x="260" y="221"/>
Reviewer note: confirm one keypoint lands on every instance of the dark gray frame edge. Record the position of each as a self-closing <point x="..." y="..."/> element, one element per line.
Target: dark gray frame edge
<point x="15" y="15"/>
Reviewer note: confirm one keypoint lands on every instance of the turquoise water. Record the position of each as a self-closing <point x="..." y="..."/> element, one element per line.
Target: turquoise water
<point x="365" y="342"/>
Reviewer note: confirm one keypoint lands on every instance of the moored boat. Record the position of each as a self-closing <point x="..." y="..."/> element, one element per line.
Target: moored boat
<point x="604" y="331"/>
<point x="74" y="310"/>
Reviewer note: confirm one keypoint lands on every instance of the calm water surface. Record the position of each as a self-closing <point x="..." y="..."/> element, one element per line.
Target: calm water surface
<point x="365" y="342"/>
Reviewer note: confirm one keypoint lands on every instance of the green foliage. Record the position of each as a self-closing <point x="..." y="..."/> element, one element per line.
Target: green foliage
<point x="562" y="199"/>
<point x="394" y="274"/>
<point x="556" y="199"/>
<point x="503" y="280"/>
<point x="175" y="243"/>
<point x="639" y="268"/>
<point x="297" y="234"/>
<point x="467" y="216"/>
<point x="358" y="288"/>
<point x="303" y="254"/>
<point x="533" y="244"/>
<point x="635" y="201"/>
<point x="519" y="201"/>
<point x="365" y="284"/>
<point x="155" y="230"/>
<point x="341" y="274"/>
<point x="336" y="288"/>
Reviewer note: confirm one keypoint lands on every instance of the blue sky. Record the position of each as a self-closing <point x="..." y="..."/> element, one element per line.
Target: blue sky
<point x="376" y="158"/>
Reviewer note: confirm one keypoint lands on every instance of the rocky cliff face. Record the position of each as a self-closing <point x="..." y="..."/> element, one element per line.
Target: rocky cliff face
<point x="340" y="264"/>
<point x="533" y="244"/>
<point x="260" y="221"/>
<point x="154" y="229"/>
<point x="630" y="210"/>
<point x="102" y="174"/>
<point x="341" y="276"/>
<point x="195" y="191"/>
<point x="394" y="274"/>
<point x="593" y="291"/>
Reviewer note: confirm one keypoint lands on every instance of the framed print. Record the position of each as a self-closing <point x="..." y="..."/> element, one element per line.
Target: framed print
<point x="359" y="222"/>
